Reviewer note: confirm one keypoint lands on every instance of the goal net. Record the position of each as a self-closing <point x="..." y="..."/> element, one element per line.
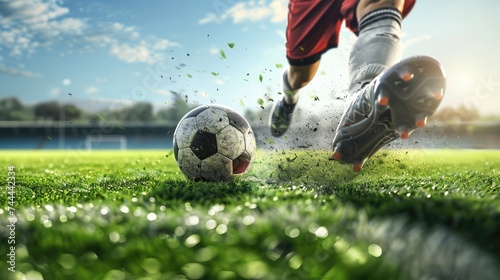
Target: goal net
<point x="106" y="142"/>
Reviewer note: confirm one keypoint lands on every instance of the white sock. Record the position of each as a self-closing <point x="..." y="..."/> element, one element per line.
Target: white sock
<point x="377" y="46"/>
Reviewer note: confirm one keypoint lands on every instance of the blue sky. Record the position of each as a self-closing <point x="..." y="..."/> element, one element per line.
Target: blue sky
<point x="107" y="53"/>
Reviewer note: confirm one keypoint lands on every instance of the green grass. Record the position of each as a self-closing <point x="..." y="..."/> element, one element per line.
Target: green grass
<point x="419" y="214"/>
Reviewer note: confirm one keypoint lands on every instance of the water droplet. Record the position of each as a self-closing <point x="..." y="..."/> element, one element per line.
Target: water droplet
<point x="354" y="255"/>
<point x="179" y="231"/>
<point x="151" y="216"/>
<point x="321" y="232"/>
<point x="375" y="250"/>
<point x="221" y="229"/>
<point x="114" y="237"/>
<point x="151" y="265"/>
<point x="341" y="245"/>
<point x="33" y="275"/>
<point x="137" y="212"/>
<point x="63" y="218"/>
<point x="205" y="254"/>
<point x="30" y="217"/>
<point x="192" y="220"/>
<point x="295" y="262"/>
<point x="115" y="274"/>
<point x="211" y="224"/>
<point x="248" y="220"/>
<point x="47" y="223"/>
<point x="67" y="261"/>
<point x="253" y="270"/>
<point x="192" y="240"/>
<point x="104" y="211"/>
<point x="193" y="270"/>
<point x="294" y="233"/>
<point x="124" y="209"/>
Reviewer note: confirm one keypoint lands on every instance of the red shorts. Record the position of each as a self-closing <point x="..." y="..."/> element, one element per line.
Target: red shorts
<point x="314" y="25"/>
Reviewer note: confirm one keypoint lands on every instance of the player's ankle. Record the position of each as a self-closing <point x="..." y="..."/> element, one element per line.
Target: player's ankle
<point x="291" y="96"/>
<point x="291" y="99"/>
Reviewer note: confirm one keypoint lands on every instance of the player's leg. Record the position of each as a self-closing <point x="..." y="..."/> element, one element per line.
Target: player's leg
<point x="364" y="7"/>
<point x="294" y="78"/>
<point x="312" y="29"/>
<point x="390" y="98"/>
<point x="377" y="46"/>
<point x="298" y="77"/>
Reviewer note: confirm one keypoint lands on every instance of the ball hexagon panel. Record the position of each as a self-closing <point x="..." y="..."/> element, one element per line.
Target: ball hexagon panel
<point x="241" y="164"/>
<point x="185" y="131"/>
<point x="176" y="151"/>
<point x="216" y="168"/>
<point x="196" y="111"/>
<point x="204" y="144"/>
<point x="230" y="142"/>
<point x="250" y="144"/>
<point x="212" y="120"/>
<point x="189" y="163"/>
<point x="237" y="121"/>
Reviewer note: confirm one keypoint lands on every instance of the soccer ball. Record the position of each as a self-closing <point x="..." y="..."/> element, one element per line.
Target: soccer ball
<point x="213" y="143"/>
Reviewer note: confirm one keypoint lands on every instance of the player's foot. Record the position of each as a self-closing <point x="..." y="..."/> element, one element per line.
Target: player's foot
<point x="281" y="117"/>
<point x="394" y="104"/>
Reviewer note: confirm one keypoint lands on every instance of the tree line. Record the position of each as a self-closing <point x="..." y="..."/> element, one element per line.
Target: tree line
<point x="12" y="109"/>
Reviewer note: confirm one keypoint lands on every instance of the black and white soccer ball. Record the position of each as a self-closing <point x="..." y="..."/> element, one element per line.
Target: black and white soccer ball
<point x="214" y="143"/>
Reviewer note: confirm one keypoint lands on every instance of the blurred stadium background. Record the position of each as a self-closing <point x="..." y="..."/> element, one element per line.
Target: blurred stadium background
<point x="53" y="125"/>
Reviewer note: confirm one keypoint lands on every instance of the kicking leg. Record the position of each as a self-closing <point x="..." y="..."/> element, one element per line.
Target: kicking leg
<point x="377" y="46"/>
<point x="389" y="98"/>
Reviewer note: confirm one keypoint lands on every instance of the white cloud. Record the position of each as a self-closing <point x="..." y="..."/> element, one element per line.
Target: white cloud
<point x="56" y="92"/>
<point x="100" y="80"/>
<point x="28" y="25"/>
<point x="66" y="82"/>
<point x="92" y="90"/>
<point x="279" y="10"/>
<point x="253" y="11"/>
<point x="161" y="91"/>
<point x="17" y="72"/>
<point x="131" y="54"/>
<point x="163" y="44"/>
<point x="210" y="17"/>
<point x="31" y="11"/>
<point x="248" y="12"/>
<point x="219" y="82"/>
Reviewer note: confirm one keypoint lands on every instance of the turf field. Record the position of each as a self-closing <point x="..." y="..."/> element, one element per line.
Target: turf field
<point x="417" y="214"/>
